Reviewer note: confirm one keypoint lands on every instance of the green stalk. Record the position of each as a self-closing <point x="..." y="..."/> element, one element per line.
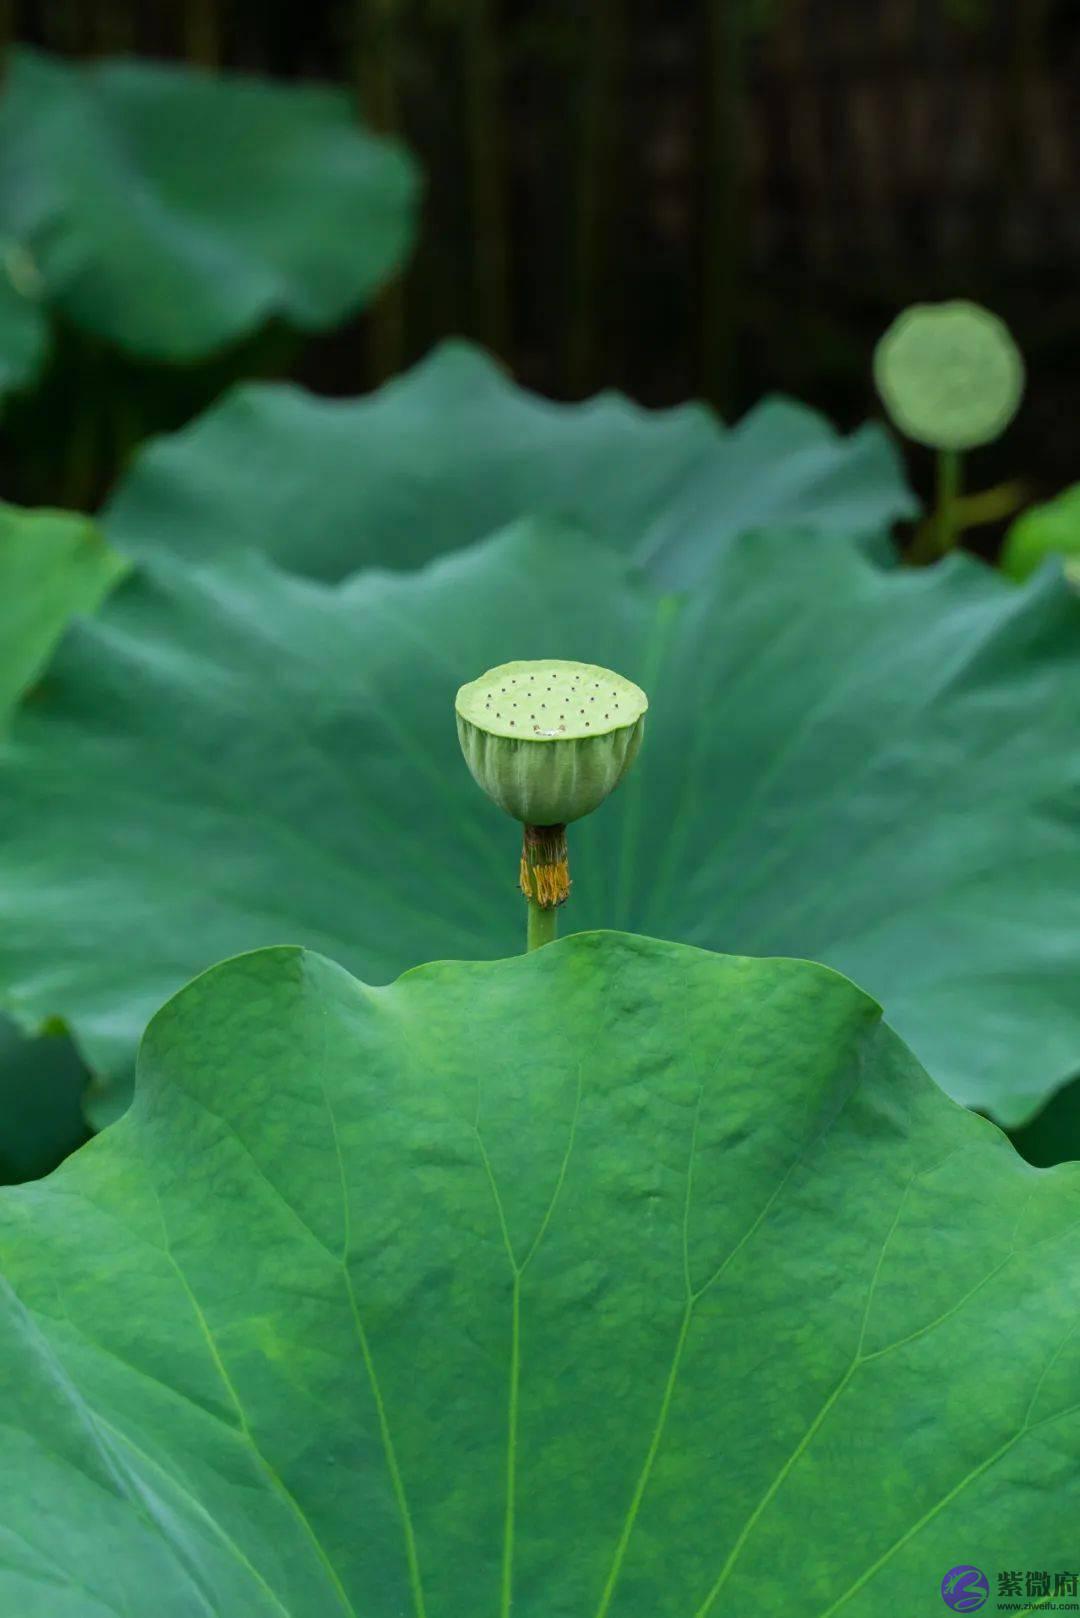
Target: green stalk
<point x="948" y="491"/>
<point x="115" y="30"/>
<point x="375" y="78"/>
<point x="723" y="201"/>
<point x="483" y="85"/>
<point x="202" y="33"/>
<point x="543" y="926"/>
<point x="81" y="464"/>
<point x="1027" y="52"/>
<point x="544" y="880"/>
<point x="597" y="198"/>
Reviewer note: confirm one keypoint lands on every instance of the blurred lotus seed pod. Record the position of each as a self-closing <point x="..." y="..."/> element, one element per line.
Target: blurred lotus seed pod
<point x="949" y="374"/>
<point x="548" y="741"/>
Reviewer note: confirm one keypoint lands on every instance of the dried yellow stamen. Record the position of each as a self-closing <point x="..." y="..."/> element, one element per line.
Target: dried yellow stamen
<point x="544" y="874"/>
<point x="550" y="885"/>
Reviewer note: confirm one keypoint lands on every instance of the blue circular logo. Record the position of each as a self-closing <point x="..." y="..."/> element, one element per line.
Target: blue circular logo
<point x="964" y="1589"/>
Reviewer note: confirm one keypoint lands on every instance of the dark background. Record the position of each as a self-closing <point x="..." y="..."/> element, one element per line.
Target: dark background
<point x="723" y="198"/>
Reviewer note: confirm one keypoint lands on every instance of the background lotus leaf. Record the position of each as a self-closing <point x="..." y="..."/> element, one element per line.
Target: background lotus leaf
<point x="871" y="768"/>
<point x="42" y="1085"/>
<point x="53" y="565"/>
<point x="454" y="449"/>
<point x="1053" y="1136"/>
<point x="379" y="1299"/>
<point x="173" y="211"/>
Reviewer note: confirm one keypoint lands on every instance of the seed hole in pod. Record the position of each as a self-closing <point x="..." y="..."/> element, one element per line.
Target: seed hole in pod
<point x="586" y="724"/>
<point x="511" y="721"/>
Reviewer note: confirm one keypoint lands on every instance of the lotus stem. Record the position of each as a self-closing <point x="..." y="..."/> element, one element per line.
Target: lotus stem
<point x="722" y="228"/>
<point x="543" y="926"/>
<point x="544" y="880"/>
<point x="483" y="87"/>
<point x="202" y="33"/>
<point x="115" y="31"/>
<point x="948" y="492"/>
<point x="378" y="93"/>
<point x="594" y="286"/>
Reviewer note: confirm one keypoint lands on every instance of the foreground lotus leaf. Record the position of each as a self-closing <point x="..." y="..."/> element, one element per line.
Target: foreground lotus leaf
<point x="252" y="200"/>
<point x="950" y="374"/>
<point x="53" y="565"/>
<point x="446" y="454"/>
<point x="875" y="769"/>
<point x="575" y="1284"/>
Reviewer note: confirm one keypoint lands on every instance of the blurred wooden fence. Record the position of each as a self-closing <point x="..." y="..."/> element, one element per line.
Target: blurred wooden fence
<point x="709" y="196"/>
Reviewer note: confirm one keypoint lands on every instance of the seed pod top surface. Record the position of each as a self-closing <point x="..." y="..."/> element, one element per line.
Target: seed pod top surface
<point x="549" y="740"/>
<point x="550" y="701"/>
<point x="950" y="374"/>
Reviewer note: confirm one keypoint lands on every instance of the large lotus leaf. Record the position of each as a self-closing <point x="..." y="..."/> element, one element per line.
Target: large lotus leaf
<point x="24" y="330"/>
<point x="782" y="465"/>
<point x="53" y="564"/>
<point x="454" y="449"/>
<point x="41" y="1094"/>
<point x="874" y="769"/>
<point x="173" y="211"/>
<point x="619" y="1279"/>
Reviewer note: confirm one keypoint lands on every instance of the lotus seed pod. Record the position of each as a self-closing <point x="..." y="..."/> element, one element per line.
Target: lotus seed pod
<point x="548" y="741"/>
<point x="949" y="374"/>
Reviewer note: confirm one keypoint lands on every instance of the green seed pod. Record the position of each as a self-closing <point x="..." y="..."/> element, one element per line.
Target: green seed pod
<point x="949" y="374"/>
<point x="548" y="741"/>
